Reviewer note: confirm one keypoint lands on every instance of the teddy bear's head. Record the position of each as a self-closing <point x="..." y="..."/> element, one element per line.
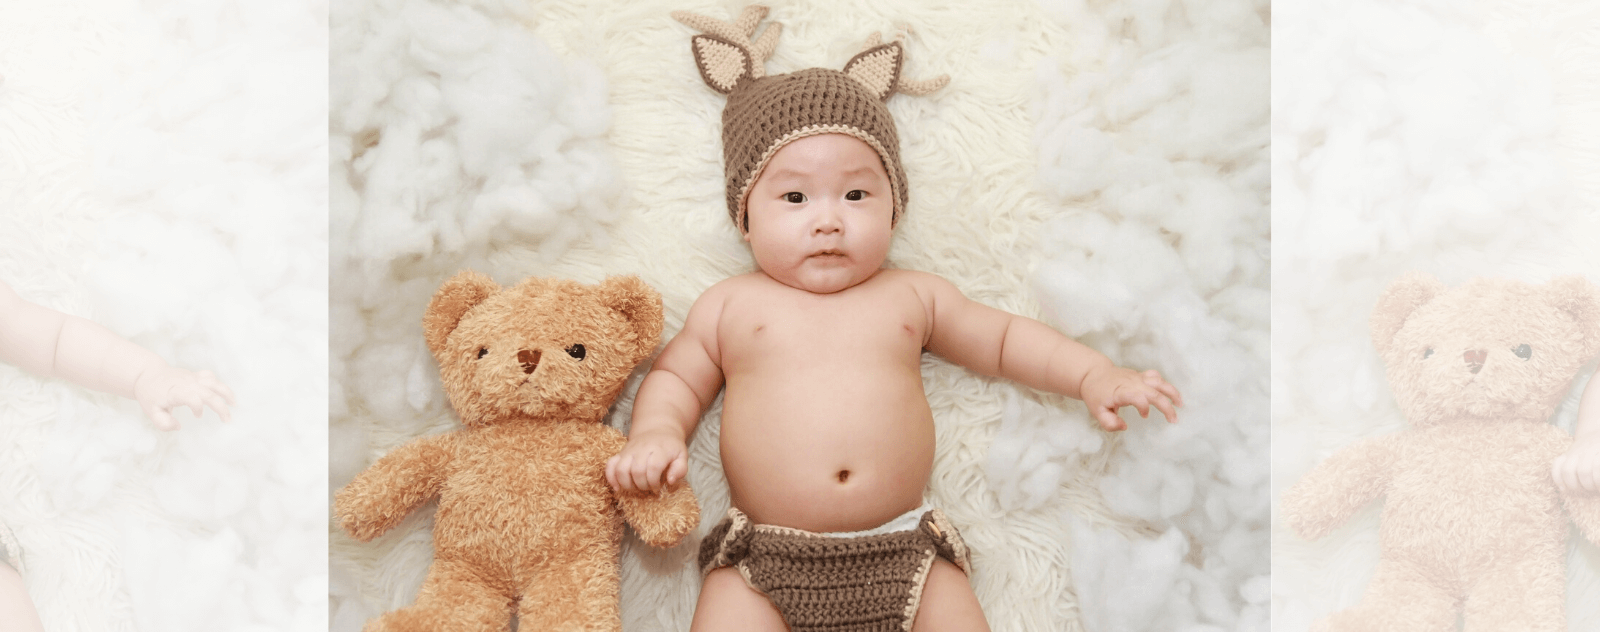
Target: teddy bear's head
<point x="1492" y="349"/>
<point x="542" y="349"/>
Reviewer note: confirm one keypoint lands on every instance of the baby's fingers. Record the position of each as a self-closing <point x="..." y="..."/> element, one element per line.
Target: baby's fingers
<point x="161" y="418"/>
<point x="1109" y="420"/>
<point x="1154" y="380"/>
<point x="679" y="468"/>
<point x="611" y="473"/>
<point x="639" y="473"/>
<point x="216" y="403"/>
<point x="209" y="380"/>
<point x="1165" y="405"/>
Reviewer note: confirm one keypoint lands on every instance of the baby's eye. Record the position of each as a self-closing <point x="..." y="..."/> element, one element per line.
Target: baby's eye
<point x="576" y="351"/>
<point x="794" y="197"/>
<point x="483" y="351"/>
<point x="1523" y="351"/>
<point x="856" y="195"/>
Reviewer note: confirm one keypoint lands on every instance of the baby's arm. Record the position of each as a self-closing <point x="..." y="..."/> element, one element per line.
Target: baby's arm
<point x="993" y="342"/>
<point x="49" y="343"/>
<point x="680" y="386"/>
<point x="1578" y="471"/>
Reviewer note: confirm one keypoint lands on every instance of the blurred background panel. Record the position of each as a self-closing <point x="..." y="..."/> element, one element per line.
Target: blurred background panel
<point x="163" y="172"/>
<point x="1459" y="139"/>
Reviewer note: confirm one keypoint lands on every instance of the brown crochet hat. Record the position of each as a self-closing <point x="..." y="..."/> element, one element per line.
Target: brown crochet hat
<point x="765" y="113"/>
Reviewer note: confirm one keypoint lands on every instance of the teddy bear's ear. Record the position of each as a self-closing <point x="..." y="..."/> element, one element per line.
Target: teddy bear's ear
<point x="1397" y="303"/>
<point x="1581" y="299"/>
<point x="463" y="291"/>
<point x="637" y="302"/>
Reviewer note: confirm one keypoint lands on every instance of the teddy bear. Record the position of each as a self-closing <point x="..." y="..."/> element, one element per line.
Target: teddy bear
<point x="1472" y="522"/>
<point x="526" y="521"/>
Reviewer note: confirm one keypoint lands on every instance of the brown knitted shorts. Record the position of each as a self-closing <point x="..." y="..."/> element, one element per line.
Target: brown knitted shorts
<point x="824" y="582"/>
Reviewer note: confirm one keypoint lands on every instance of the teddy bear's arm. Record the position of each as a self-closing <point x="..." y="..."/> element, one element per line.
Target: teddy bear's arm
<point x="1331" y="492"/>
<point x="380" y="497"/>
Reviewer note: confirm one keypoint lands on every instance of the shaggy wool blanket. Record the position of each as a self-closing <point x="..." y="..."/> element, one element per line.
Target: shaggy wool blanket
<point x="1100" y="165"/>
<point x="1455" y="139"/>
<point x="163" y="172"/>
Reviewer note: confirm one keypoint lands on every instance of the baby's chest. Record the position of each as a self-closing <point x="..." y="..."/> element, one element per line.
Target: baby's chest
<point x="833" y="329"/>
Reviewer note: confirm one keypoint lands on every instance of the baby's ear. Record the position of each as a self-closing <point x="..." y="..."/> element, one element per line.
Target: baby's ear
<point x="461" y="293"/>
<point x="1396" y="304"/>
<point x="1580" y="299"/>
<point x="640" y="304"/>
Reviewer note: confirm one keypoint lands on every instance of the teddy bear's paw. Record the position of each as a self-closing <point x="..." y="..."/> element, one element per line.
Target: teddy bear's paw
<point x="663" y="520"/>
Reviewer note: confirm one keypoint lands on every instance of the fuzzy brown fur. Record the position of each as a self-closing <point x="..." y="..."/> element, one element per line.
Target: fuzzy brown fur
<point x="1472" y="520"/>
<point x="526" y="521"/>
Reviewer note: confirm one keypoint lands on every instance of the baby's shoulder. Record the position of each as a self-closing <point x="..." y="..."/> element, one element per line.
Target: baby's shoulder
<point x="926" y="285"/>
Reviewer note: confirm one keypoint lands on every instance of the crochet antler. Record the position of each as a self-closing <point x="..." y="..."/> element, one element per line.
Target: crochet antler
<point x="878" y="67"/>
<point x="726" y="55"/>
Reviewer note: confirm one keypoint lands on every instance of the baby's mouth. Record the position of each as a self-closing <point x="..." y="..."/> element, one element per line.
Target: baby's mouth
<point x="830" y="253"/>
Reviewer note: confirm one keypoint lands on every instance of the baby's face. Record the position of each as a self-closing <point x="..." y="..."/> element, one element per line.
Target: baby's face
<point x="821" y="214"/>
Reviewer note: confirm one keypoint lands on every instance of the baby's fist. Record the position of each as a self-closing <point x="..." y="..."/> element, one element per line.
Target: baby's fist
<point x="649" y="462"/>
<point x="1578" y="471"/>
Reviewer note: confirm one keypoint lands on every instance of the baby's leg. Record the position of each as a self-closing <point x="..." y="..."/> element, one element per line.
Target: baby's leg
<point x="948" y="602"/>
<point x="16" y="609"/>
<point x="727" y="603"/>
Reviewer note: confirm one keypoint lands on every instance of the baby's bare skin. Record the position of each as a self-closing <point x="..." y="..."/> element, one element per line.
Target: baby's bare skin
<point x="825" y="426"/>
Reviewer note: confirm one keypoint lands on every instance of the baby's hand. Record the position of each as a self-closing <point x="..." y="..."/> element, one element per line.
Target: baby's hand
<point x="163" y="388"/>
<point x="1578" y="471"/>
<point x="1107" y="389"/>
<point x="643" y="461"/>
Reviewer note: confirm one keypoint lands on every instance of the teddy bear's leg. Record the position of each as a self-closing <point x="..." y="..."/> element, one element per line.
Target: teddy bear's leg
<point x="1399" y="599"/>
<point x="453" y="598"/>
<point x="1523" y="595"/>
<point x="579" y="592"/>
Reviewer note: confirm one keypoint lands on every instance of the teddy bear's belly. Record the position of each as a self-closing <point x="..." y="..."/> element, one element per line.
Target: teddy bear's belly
<point x="517" y="505"/>
<point x="1463" y="502"/>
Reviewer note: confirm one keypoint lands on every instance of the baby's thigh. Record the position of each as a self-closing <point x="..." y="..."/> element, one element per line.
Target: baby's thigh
<point x="948" y="602"/>
<point x="727" y="603"/>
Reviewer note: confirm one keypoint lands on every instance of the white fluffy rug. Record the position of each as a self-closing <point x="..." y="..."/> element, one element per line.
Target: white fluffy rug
<point x="1413" y="135"/>
<point x="1100" y="165"/>
<point x="162" y="172"/>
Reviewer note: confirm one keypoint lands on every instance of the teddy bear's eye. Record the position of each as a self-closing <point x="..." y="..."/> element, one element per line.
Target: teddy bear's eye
<point x="576" y="351"/>
<point x="1427" y="352"/>
<point x="483" y="351"/>
<point x="1523" y="351"/>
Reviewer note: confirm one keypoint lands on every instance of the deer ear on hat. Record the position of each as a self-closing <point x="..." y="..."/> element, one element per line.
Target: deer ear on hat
<point x="727" y="56"/>
<point x="878" y="67"/>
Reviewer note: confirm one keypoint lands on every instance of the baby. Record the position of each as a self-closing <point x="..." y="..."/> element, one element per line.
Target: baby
<point x="48" y="343"/>
<point x="1578" y="471"/>
<point x="827" y="438"/>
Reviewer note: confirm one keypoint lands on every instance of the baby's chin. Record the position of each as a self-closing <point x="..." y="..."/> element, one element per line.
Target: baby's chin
<point x="821" y="277"/>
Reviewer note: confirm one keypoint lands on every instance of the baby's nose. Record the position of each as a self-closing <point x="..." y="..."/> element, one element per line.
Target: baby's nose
<point x="828" y="221"/>
<point x="528" y="359"/>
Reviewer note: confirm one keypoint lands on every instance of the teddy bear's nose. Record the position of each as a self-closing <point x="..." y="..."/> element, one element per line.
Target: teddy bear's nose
<point x="1474" y="359"/>
<point x="528" y="359"/>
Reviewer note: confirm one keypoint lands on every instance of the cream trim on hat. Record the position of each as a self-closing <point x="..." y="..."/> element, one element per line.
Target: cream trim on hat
<point x="816" y="130"/>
